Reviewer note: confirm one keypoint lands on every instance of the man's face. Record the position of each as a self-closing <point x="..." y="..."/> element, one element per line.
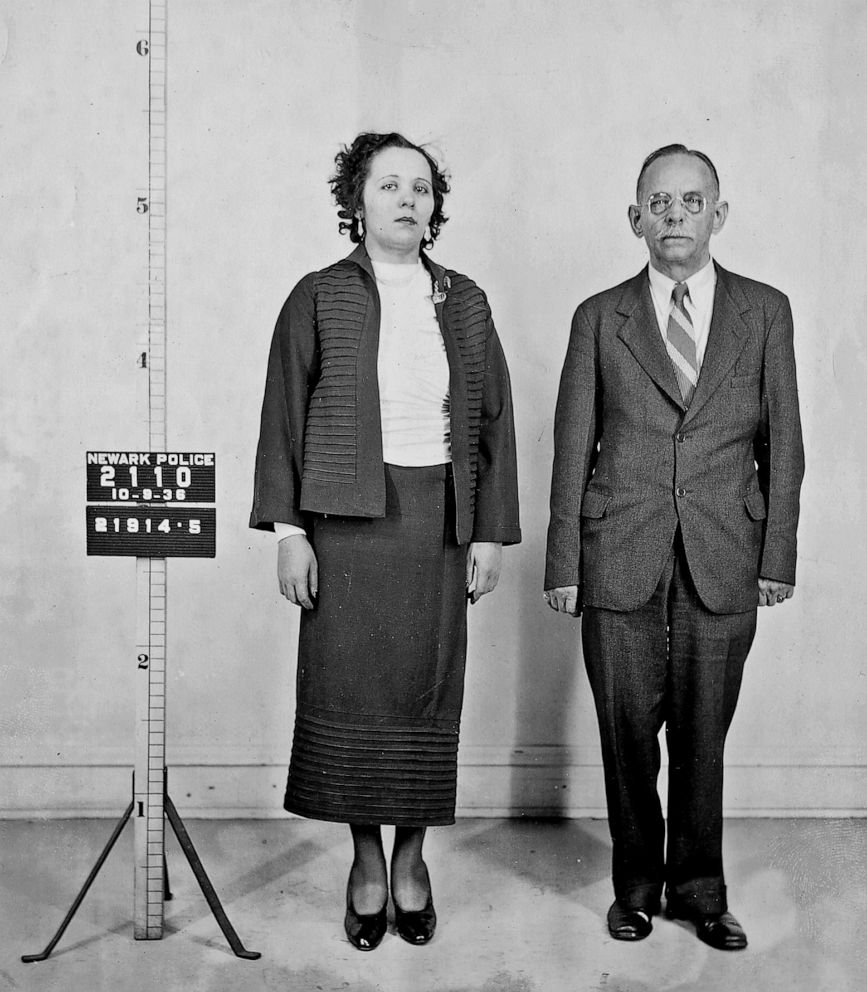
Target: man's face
<point x="678" y="241"/>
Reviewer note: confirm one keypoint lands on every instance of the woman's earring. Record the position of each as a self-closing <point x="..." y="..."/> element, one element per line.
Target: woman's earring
<point x="427" y="240"/>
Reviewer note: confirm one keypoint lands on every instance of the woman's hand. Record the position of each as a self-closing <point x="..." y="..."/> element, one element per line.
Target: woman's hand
<point x="297" y="570"/>
<point x="484" y="560"/>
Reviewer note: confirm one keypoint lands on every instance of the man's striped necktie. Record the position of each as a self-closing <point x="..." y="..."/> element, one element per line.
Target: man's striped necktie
<point x="680" y="341"/>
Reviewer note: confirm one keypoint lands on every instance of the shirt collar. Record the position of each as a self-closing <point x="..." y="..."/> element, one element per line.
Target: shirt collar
<point x="700" y="284"/>
<point x="391" y="270"/>
<point x="440" y="274"/>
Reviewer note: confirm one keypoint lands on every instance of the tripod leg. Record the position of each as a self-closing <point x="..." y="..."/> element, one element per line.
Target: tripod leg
<point x="167" y="892"/>
<point x="28" y="958"/>
<point x="205" y="883"/>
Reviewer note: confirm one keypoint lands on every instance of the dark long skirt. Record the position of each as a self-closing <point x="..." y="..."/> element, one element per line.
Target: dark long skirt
<point x="381" y="662"/>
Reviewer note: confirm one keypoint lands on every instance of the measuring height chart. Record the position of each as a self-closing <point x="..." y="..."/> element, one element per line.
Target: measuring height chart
<point x="151" y="504"/>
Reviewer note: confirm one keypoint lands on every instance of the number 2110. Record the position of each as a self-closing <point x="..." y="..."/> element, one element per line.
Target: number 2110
<point x="182" y="476"/>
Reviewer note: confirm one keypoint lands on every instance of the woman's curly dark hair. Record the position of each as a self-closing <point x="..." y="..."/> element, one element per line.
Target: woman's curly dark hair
<point x="353" y="164"/>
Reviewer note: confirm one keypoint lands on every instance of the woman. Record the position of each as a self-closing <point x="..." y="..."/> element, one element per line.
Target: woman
<point x="386" y="465"/>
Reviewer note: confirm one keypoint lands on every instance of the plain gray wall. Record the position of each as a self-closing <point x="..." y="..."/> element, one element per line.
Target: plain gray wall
<point x="543" y="113"/>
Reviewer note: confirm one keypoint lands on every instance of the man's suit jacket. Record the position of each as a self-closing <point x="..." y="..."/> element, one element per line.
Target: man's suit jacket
<point x="632" y="462"/>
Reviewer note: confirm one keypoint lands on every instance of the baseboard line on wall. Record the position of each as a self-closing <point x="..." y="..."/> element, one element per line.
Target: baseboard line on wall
<point x="492" y="782"/>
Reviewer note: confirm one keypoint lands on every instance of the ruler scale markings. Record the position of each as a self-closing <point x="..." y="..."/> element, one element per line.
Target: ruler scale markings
<point x="150" y="750"/>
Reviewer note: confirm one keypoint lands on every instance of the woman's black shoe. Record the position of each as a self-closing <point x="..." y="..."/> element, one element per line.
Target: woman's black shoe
<point x="364" y="932"/>
<point x="415" y="926"/>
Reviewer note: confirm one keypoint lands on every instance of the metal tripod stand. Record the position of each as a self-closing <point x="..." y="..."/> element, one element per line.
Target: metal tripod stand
<point x="213" y="900"/>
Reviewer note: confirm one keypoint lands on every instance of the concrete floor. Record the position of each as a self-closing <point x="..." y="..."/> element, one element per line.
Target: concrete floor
<point x="521" y="905"/>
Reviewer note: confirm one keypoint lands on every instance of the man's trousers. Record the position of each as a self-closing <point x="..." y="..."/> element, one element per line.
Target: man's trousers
<point x="670" y="662"/>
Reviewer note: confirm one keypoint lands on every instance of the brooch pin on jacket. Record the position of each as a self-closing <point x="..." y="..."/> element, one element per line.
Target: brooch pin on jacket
<point x="439" y="295"/>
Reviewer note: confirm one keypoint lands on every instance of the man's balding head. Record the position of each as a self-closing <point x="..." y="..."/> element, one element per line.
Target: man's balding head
<point x="675" y="150"/>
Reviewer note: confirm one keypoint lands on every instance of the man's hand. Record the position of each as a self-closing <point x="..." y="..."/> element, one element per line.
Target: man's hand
<point x="297" y="570"/>
<point x="772" y="592"/>
<point x="484" y="560"/>
<point x="563" y="599"/>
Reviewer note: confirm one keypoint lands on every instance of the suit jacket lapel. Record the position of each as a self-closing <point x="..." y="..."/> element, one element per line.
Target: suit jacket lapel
<point x="727" y="336"/>
<point x="640" y="333"/>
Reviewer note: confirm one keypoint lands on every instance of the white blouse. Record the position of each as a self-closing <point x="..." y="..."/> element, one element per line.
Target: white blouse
<point x="412" y="367"/>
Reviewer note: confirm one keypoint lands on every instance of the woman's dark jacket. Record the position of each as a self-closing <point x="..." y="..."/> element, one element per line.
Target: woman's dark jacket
<point x="320" y="444"/>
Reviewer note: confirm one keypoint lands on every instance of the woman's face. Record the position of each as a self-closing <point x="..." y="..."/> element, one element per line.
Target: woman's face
<point x="397" y="202"/>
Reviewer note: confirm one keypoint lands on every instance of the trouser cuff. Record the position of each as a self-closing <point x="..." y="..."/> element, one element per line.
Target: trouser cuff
<point x="643" y="896"/>
<point x="699" y="896"/>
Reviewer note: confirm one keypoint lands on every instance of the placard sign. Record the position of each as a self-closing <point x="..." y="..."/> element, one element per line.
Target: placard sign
<point x="143" y="504"/>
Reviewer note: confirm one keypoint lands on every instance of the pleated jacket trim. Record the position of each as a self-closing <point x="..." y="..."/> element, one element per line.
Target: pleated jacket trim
<point x="343" y="437"/>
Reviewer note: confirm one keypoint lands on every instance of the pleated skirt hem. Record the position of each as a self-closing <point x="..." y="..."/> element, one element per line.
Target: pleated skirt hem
<point x="372" y="775"/>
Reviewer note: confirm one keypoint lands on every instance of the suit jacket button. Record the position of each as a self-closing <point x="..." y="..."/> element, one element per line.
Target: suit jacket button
<point x="680" y="437"/>
<point x="680" y="491"/>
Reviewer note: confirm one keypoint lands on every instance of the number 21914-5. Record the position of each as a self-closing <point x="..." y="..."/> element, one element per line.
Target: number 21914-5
<point x="133" y="526"/>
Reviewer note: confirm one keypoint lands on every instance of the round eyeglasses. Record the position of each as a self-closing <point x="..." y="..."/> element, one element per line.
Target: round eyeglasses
<point x="659" y="203"/>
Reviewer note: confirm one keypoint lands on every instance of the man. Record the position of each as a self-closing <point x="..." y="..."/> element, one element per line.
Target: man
<point x="674" y="506"/>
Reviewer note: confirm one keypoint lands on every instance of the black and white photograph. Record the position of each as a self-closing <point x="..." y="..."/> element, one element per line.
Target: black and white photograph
<point x="433" y="471"/>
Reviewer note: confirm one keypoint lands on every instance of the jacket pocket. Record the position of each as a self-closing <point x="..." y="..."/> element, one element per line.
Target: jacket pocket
<point x="595" y="504"/>
<point x="755" y="503"/>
